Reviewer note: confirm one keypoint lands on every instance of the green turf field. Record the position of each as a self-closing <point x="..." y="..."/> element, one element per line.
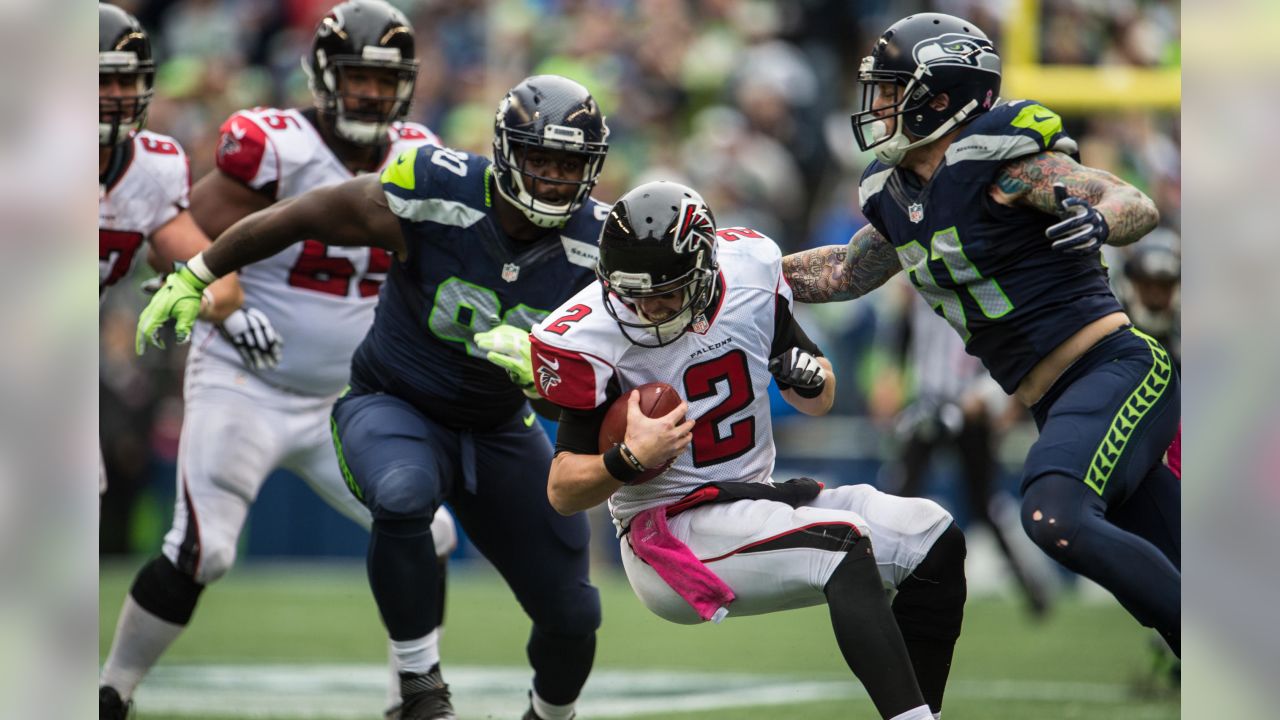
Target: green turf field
<point x="292" y="642"/>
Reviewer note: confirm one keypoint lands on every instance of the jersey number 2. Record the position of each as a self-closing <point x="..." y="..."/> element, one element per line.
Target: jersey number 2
<point x="710" y="447"/>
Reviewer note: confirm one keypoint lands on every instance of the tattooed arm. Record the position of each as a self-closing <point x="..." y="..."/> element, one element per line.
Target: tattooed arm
<point x="842" y="272"/>
<point x="1029" y="182"/>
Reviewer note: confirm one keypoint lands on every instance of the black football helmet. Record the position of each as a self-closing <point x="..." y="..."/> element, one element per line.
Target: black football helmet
<point x="924" y="56"/>
<point x="124" y="58"/>
<point x="659" y="238"/>
<point x="553" y="112"/>
<point x="367" y="34"/>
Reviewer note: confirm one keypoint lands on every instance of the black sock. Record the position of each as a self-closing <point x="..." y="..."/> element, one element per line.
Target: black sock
<point x="868" y="635"/>
<point x="562" y="663"/>
<point x="929" y="608"/>
<point x="404" y="576"/>
<point x="165" y="591"/>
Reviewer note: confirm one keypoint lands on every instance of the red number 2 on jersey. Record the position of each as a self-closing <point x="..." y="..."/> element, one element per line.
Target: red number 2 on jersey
<point x="316" y="270"/>
<point x="576" y="313"/>
<point x="709" y="447"/>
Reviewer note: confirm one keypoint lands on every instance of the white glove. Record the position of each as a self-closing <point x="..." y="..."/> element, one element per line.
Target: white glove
<point x="251" y="332"/>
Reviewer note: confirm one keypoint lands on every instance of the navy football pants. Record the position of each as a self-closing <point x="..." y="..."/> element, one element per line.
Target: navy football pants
<point x="1097" y="496"/>
<point x="403" y="465"/>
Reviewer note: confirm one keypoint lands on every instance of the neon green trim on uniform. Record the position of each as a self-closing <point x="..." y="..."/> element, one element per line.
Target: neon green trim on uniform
<point x="342" y="460"/>
<point x="1040" y="119"/>
<point x="1131" y="413"/>
<point x="400" y="172"/>
<point x="488" y="173"/>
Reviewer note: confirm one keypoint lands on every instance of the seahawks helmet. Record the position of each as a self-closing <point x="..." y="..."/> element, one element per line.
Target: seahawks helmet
<point x="659" y="238"/>
<point x="124" y="54"/>
<point x="924" y="56"/>
<point x="553" y="112"/>
<point x="366" y="34"/>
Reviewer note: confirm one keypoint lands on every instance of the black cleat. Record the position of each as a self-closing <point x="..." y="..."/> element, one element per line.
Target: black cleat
<point x="110" y="706"/>
<point x="425" y="697"/>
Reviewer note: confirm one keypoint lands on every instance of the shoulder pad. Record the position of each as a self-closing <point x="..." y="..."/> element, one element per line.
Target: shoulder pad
<point x="749" y="258"/>
<point x="428" y="183"/>
<point x="573" y="350"/>
<point x="244" y="150"/>
<point x="161" y="158"/>
<point x="1011" y="130"/>
<point x="411" y="132"/>
<point x="873" y="179"/>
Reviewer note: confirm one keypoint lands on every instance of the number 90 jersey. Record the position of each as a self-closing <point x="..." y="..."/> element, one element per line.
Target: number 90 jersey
<point x="582" y="361"/>
<point x="463" y="275"/>
<point x="150" y="191"/>
<point x="320" y="299"/>
<point x="985" y="267"/>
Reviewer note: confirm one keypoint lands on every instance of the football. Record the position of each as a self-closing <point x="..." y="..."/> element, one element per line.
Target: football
<point x="656" y="399"/>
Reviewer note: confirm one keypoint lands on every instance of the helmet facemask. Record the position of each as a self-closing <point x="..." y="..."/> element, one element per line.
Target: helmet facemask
<point x="120" y="115"/>
<point x="367" y="123"/>
<point x="511" y="150"/>
<point x="936" y="64"/>
<point x="629" y="289"/>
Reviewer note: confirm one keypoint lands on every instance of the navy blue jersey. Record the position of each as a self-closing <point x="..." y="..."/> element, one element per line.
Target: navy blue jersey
<point x="464" y="275"/>
<point x="985" y="267"/>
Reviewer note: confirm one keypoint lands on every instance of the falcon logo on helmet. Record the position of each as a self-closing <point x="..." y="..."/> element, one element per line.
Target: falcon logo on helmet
<point x="695" y="226"/>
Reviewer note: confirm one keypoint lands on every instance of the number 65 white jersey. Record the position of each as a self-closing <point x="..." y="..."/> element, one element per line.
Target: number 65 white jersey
<point x="320" y="299"/>
<point x="581" y="360"/>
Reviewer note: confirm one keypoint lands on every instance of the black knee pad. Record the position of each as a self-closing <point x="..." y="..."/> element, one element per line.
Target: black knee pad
<point x="575" y="613"/>
<point x="166" y="592"/>
<point x="929" y="604"/>
<point x="1052" y="513"/>
<point x="857" y="573"/>
<point x="401" y="492"/>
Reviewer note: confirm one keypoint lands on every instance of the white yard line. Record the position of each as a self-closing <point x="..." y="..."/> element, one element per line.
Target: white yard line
<point x="341" y="692"/>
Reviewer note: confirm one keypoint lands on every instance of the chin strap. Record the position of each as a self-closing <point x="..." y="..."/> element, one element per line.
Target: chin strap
<point x="892" y="150"/>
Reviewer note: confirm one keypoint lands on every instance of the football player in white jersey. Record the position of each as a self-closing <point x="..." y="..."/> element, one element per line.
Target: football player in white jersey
<point x="709" y="314"/>
<point x="143" y="177"/>
<point x="241" y="423"/>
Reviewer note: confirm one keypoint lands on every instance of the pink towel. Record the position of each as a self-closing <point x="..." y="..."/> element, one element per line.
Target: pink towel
<point x="1173" y="457"/>
<point x="675" y="563"/>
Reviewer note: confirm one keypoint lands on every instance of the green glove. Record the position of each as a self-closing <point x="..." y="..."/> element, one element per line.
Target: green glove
<point x="179" y="299"/>
<point x="508" y="348"/>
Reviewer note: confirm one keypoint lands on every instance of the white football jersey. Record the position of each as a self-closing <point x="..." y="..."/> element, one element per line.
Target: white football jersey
<point x="320" y="299"/>
<point x="153" y="188"/>
<point x="581" y="360"/>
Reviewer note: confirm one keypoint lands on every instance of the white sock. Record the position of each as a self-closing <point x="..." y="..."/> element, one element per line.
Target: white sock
<point x="141" y="638"/>
<point x="547" y="711"/>
<point x="937" y="716"/>
<point x="416" y="656"/>
<point x="920" y="713"/>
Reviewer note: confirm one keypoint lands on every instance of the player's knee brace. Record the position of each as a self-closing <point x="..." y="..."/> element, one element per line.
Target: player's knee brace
<point x="930" y="602"/>
<point x="575" y="613"/>
<point x="166" y="592"/>
<point x="1053" y="511"/>
<point x="403" y="491"/>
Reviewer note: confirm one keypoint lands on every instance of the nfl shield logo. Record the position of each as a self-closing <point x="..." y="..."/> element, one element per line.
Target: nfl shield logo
<point x="510" y="272"/>
<point x="700" y="324"/>
<point x="915" y="212"/>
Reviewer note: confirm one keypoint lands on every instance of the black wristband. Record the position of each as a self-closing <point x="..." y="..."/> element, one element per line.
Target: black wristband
<point x="618" y="467"/>
<point x="630" y="457"/>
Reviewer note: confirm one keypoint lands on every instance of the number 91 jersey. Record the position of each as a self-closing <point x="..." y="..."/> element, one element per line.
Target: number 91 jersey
<point x="320" y="299"/>
<point x="985" y="267"/>
<point x="582" y="361"/>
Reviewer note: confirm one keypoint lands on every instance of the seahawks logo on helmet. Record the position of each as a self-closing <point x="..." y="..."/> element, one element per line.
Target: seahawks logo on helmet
<point x="957" y="49"/>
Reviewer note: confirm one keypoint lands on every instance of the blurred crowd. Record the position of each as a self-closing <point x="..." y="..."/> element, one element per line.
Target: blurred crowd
<point x="746" y="100"/>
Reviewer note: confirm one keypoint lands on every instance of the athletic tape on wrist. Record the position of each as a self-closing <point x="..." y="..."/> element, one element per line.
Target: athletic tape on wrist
<point x="198" y="268"/>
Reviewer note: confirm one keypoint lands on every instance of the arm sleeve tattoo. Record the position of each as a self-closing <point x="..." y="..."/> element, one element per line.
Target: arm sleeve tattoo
<point x="842" y="272"/>
<point x="1029" y="181"/>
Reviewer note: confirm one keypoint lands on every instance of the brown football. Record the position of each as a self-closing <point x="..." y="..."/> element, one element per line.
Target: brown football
<point x="656" y="399"/>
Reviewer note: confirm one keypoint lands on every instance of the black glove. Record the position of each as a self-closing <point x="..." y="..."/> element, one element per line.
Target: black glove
<point x="1083" y="229"/>
<point x="798" y="370"/>
<point x="251" y="332"/>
